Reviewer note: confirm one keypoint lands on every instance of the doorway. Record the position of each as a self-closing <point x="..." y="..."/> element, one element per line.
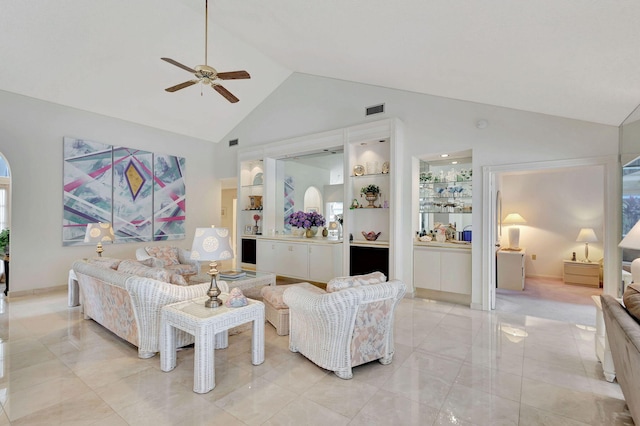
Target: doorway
<point x="559" y="203"/>
<point x="5" y="222"/>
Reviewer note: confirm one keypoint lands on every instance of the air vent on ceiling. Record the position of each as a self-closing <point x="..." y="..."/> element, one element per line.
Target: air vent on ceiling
<point x="376" y="109"/>
<point x="233" y="142"/>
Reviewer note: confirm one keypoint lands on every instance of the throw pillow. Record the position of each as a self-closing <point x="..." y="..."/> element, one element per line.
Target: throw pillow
<point x="168" y="254"/>
<point x="105" y="262"/>
<point x="148" y="262"/>
<point x="340" y="283"/>
<point x="178" y="279"/>
<point x="631" y="299"/>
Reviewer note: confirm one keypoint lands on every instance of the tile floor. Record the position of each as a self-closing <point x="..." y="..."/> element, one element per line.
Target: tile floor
<point x="452" y="366"/>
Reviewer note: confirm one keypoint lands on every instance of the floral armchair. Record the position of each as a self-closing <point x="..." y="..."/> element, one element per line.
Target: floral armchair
<point x="344" y="328"/>
<point x="175" y="259"/>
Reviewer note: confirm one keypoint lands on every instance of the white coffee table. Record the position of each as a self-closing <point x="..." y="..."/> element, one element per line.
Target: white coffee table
<point x="209" y="326"/>
<point x="252" y="282"/>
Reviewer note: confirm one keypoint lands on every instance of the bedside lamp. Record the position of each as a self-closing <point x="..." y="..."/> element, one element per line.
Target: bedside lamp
<point x="632" y="241"/>
<point x="514" y="219"/>
<point x="97" y="233"/>
<point x="586" y="236"/>
<point x="212" y="244"/>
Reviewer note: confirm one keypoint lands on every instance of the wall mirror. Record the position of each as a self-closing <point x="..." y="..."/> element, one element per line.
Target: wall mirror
<point x="310" y="182"/>
<point x="630" y="158"/>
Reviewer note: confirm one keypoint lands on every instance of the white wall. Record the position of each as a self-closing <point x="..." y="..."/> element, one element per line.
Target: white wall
<point x="31" y="133"/>
<point x="306" y="104"/>
<point x="555" y="204"/>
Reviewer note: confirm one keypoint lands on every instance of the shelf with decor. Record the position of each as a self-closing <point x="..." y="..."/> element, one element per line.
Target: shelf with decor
<point x="370" y="211"/>
<point x="250" y="199"/>
<point x="445" y="194"/>
<point x="449" y="196"/>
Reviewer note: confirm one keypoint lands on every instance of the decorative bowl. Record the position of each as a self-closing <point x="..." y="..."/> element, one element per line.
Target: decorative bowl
<point x="371" y="236"/>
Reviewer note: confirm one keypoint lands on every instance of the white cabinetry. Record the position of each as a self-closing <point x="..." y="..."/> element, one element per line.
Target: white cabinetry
<point x="442" y="269"/>
<point x="298" y="259"/>
<point x="324" y="262"/>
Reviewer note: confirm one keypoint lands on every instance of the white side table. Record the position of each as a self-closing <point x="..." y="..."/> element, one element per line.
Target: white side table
<point x="510" y="269"/>
<point x="602" y="344"/>
<point x="209" y="327"/>
<point x="73" y="289"/>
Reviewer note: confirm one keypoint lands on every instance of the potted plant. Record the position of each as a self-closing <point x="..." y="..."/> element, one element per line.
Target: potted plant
<point x="4" y="240"/>
<point x="371" y="193"/>
<point x="309" y="221"/>
<point x="373" y="189"/>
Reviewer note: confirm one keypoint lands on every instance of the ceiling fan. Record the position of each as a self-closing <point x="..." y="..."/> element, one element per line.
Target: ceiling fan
<point x="205" y="74"/>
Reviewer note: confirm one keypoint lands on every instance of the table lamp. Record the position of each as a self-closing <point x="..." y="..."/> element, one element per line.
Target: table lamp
<point x="97" y="233"/>
<point x="212" y="244"/>
<point x="586" y="236"/>
<point x="514" y="219"/>
<point x="632" y="241"/>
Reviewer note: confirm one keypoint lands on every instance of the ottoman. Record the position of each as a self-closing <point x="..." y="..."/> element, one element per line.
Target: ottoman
<point x="275" y="311"/>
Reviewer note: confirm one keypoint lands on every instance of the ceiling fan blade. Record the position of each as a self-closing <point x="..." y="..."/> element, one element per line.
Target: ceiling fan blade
<point x="181" y="86"/>
<point x="233" y="75"/>
<point x="227" y="94"/>
<point x="179" y="65"/>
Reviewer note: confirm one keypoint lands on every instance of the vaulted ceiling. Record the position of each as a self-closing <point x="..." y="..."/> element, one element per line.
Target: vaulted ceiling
<point x="571" y="58"/>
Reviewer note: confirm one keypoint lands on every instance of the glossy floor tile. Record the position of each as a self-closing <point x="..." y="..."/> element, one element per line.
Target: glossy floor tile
<point x="452" y="366"/>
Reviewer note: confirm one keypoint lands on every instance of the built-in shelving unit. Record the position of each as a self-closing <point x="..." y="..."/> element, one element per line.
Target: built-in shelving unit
<point x="374" y="147"/>
<point x="445" y="196"/>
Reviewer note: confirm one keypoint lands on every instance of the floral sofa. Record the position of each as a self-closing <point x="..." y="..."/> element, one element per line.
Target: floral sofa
<point x="126" y="297"/>
<point x="349" y="325"/>
<point x="623" y="334"/>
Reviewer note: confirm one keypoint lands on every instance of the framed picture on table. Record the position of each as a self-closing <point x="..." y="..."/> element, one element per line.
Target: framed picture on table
<point x="248" y="229"/>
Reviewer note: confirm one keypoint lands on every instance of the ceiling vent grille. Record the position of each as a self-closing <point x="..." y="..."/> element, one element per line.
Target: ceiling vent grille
<point x="233" y="142"/>
<point x="376" y="109"/>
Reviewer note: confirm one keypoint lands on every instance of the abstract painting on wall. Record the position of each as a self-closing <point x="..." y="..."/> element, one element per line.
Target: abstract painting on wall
<point x="169" y="197"/>
<point x="142" y="194"/>
<point x="132" y="194"/>
<point x="87" y="187"/>
<point x="289" y="200"/>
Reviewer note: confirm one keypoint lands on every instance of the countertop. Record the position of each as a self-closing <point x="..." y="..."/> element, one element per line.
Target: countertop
<point x="464" y="245"/>
<point x="318" y="239"/>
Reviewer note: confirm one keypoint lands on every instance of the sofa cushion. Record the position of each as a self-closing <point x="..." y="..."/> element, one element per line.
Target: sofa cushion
<point x="166" y="253"/>
<point x="105" y="262"/>
<point x="631" y="299"/>
<point x="136" y="268"/>
<point x="340" y="283"/>
<point x="273" y="294"/>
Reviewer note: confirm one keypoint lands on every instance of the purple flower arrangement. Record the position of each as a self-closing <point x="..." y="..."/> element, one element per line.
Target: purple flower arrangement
<point x="301" y="219"/>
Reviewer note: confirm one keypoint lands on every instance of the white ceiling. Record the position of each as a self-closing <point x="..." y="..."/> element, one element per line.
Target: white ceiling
<point x="571" y="58"/>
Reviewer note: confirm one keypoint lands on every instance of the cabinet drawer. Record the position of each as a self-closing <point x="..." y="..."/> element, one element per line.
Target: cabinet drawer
<point x="584" y="269"/>
<point x="582" y="279"/>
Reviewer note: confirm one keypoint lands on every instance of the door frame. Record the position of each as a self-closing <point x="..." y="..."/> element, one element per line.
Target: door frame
<point x="612" y="232"/>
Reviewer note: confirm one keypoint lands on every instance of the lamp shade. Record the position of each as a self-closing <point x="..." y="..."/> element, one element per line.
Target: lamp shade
<point x="587" y="235"/>
<point x="632" y="239"/>
<point x="513" y="219"/>
<point x="212" y="244"/>
<point x="99" y="233"/>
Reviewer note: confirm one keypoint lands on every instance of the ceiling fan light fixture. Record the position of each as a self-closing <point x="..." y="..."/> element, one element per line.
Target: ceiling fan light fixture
<point x="208" y="75"/>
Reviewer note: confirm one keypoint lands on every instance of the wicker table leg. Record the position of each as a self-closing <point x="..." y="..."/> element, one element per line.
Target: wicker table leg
<point x="167" y="346"/>
<point x="204" y="372"/>
<point x="257" y="338"/>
